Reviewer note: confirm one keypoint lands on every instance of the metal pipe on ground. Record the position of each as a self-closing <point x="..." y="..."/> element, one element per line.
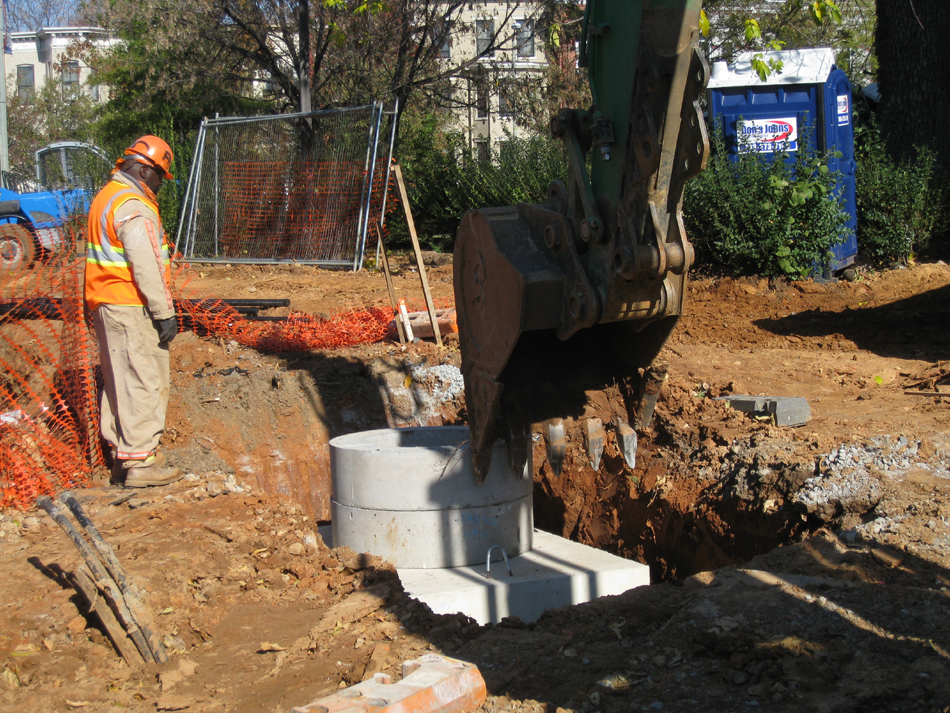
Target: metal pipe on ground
<point x="103" y="574"/>
<point x="138" y="609"/>
<point x="51" y="307"/>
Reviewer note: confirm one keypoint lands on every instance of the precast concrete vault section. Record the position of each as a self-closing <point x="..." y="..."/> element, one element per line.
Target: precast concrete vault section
<point x="409" y="495"/>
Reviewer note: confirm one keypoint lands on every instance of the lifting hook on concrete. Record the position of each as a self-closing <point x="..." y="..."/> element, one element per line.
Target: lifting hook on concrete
<point x="488" y="561"/>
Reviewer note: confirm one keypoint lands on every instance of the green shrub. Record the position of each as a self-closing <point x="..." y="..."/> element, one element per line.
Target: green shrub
<point x="755" y="214"/>
<point x="446" y="178"/>
<point x="901" y="204"/>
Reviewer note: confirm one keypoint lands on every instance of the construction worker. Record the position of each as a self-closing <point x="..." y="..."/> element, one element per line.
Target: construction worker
<point x="128" y="294"/>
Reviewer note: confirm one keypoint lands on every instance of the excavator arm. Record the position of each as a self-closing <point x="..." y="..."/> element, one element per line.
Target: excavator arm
<point x="579" y="293"/>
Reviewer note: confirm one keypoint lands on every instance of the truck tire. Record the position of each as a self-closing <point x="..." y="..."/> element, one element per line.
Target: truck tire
<point x="17" y="247"/>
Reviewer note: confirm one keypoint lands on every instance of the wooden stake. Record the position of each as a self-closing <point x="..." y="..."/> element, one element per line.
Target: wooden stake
<point x="113" y="628"/>
<point x="418" y="252"/>
<point x="101" y="577"/>
<point x="389" y="285"/>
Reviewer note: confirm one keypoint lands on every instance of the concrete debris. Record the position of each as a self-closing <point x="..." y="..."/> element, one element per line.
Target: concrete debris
<point x="783" y="410"/>
<point x="430" y="684"/>
<point x="851" y="491"/>
<point x="848" y="479"/>
<point x="444" y="382"/>
<point x="431" y="387"/>
<point x="894" y="456"/>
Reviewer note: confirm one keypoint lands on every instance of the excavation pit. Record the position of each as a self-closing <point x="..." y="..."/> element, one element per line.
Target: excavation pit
<point x="409" y="496"/>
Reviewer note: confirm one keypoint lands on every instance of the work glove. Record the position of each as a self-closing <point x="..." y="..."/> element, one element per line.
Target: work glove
<point x="167" y="329"/>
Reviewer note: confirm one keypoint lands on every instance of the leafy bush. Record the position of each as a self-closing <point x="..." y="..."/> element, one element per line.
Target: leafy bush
<point x="446" y="178"/>
<point x="755" y="214"/>
<point x="901" y="204"/>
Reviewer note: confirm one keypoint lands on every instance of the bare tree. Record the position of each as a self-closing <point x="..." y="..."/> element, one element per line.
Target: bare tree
<point x="31" y="15"/>
<point x="359" y="49"/>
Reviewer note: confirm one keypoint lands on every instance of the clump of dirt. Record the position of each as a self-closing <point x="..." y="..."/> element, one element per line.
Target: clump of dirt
<point x="931" y="379"/>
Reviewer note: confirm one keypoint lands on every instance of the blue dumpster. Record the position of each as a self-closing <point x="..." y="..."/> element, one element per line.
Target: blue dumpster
<point x="765" y="116"/>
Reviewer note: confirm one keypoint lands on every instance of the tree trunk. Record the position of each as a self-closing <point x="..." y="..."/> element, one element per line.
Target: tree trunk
<point x="913" y="48"/>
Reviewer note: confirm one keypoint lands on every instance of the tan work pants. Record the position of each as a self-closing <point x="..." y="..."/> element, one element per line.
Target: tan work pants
<point x="135" y="380"/>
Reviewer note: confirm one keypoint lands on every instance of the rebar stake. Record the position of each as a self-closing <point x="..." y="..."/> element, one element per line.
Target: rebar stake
<point x="488" y="561"/>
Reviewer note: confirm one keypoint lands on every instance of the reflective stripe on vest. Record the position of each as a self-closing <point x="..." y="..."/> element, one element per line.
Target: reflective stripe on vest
<point x="104" y="252"/>
<point x="108" y="273"/>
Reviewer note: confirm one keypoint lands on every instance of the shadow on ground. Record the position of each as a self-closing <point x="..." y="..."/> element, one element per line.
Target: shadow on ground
<point x="912" y="328"/>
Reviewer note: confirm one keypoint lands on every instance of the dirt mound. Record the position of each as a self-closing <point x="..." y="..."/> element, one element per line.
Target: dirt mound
<point x="246" y="592"/>
<point x="801" y="568"/>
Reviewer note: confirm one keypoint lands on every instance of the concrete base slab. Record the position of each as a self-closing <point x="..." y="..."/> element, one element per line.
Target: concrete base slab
<point x="555" y="573"/>
<point x="784" y="410"/>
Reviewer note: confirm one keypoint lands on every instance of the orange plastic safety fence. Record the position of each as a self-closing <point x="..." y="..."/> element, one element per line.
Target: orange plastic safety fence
<point x="314" y="219"/>
<point x="48" y="408"/>
<point x="311" y="214"/>
<point x="49" y="414"/>
<point x="298" y="332"/>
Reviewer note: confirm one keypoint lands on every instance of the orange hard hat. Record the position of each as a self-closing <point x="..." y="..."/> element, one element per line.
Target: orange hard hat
<point x="151" y="151"/>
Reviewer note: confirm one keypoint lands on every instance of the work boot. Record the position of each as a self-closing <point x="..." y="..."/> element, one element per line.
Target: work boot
<point x="120" y="467"/>
<point x="150" y="472"/>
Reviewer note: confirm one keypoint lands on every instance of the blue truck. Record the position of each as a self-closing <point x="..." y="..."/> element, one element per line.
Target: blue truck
<point x="35" y="225"/>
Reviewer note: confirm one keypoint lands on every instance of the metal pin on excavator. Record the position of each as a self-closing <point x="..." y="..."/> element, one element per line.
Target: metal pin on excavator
<point x="580" y="293"/>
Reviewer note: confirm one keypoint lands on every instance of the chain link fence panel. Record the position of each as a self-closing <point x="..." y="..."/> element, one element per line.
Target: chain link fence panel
<point x="292" y="188"/>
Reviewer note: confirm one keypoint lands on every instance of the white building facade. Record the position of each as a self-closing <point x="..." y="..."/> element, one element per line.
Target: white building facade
<point x="506" y="34"/>
<point x="43" y="56"/>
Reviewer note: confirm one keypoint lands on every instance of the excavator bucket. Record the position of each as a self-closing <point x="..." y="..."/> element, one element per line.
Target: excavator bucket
<point x="578" y="294"/>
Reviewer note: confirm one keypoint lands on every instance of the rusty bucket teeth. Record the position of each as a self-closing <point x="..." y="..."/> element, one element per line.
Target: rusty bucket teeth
<point x="518" y="450"/>
<point x="556" y="435"/>
<point x="481" y="462"/>
<point x="627" y="442"/>
<point x="595" y="438"/>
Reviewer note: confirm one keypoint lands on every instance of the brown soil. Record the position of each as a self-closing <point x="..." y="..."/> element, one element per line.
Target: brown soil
<point x="797" y="568"/>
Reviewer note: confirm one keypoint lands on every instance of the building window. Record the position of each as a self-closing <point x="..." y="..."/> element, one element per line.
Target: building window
<point x="484" y="37"/>
<point x="481" y="99"/>
<point x="482" y="154"/>
<point x="24" y="81"/>
<point x="505" y="107"/>
<point x="445" y="52"/>
<point x="94" y="92"/>
<point x="526" y="38"/>
<point x="71" y="77"/>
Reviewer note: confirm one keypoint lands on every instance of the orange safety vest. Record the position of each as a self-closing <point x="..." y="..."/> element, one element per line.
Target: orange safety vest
<point x="108" y="273"/>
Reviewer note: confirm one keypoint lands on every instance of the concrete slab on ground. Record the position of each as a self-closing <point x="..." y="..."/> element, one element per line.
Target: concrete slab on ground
<point x="783" y="410"/>
<point x="555" y="573"/>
